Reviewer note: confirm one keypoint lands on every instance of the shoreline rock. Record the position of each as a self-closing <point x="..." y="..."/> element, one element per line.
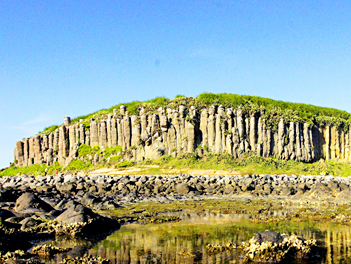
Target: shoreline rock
<point x="108" y="192"/>
<point x="272" y="247"/>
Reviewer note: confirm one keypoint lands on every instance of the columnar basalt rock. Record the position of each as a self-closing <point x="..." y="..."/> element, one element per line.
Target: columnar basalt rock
<point x="113" y="127"/>
<point x="127" y="131"/>
<point x="102" y="135"/>
<point x="94" y="133"/>
<point x="81" y="134"/>
<point x="108" y="131"/>
<point x="178" y="131"/>
<point x="211" y="129"/>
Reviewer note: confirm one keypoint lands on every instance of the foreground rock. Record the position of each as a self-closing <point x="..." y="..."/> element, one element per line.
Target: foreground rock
<point x="30" y="218"/>
<point x="271" y="247"/>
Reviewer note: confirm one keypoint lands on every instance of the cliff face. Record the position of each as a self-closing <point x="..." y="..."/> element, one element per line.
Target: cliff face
<point x="174" y="132"/>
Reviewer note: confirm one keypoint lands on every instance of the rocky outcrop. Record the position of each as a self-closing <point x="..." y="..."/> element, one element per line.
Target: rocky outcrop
<point x="182" y="130"/>
<point x="271" y="247"/>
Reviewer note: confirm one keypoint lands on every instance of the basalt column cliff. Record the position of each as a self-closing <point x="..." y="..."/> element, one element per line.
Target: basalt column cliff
<point x="182" y="130"/>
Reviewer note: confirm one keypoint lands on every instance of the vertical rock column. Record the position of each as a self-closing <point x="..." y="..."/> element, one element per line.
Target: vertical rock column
<point x="241" y="130"/>
<point x="120" y="137"/>
<point x="127" y="131"/>
<point x="211" y="128"/>
<point x="51" y="141"/>
<point x="164" y="128"/>
<point x="108" y="131"/>
<point x="114" y="140"/>
<point x="82" y="134"/>
<point x="203" y="127"/>
<point x="259" y="148"/>
<point x="176" y="125"/>
<point x="292" y="138"/>
<point x="94" y="134"/>
<point x="37" y="149"/>
<point x="332" y="143"/>
<point x="25" y="151"/>
<point x="63" y="145"/>
<point x="72" y="137"/>
<point x="135" y="120"/>
<point x="102" y="135"/>
<point x="190" y="129"/>
<point x="182" y="129"/>
<point x="19" y="153"/>
<point x="253" y="133"/>
<point x="280" y="139"/>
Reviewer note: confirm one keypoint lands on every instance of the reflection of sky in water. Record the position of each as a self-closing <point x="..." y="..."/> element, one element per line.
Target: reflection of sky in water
<point x="161" y="243"/>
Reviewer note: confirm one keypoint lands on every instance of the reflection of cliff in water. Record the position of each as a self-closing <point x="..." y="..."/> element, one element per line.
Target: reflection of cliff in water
<point x="185" y="241"/>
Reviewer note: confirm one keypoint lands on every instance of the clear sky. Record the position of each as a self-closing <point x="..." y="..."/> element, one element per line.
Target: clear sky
<point x="70" y="58"/>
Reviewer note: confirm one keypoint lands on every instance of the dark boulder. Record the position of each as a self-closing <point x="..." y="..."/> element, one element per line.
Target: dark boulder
<point x="29" y="202"/>
<point x="5" y="214"/>
<point x="76" y="213"/>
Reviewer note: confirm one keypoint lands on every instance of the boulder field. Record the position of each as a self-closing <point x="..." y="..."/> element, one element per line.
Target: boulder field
<point x="108" y="192"/>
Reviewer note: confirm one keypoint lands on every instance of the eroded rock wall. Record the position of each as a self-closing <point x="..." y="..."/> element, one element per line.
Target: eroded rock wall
<point x="175" y="132"/>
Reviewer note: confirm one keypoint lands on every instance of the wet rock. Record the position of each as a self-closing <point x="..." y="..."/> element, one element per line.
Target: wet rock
<point x="47" y="250"/>
<point x="29" y="222"/>
<point x="271" y="247"/>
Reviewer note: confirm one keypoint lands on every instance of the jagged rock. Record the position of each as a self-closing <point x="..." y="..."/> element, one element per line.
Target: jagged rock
<point x="271" y="247"/>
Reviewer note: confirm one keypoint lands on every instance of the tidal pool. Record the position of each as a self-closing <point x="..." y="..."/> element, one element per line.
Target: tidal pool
<point x="215" y="222"/>
<point x="185" y="241"/>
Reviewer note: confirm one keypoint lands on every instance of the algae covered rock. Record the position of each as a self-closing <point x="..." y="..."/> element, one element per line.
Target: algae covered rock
<point x="271" y="247"/>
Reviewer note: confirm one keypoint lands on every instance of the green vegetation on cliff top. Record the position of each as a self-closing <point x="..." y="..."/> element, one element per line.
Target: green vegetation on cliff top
<point x="273" y="109"/>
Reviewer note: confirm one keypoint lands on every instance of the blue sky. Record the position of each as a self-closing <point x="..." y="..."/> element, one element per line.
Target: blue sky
<point x="70" y="58"/>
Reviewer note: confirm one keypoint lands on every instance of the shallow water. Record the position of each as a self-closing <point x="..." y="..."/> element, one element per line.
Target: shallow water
<point x="185" y="241"/>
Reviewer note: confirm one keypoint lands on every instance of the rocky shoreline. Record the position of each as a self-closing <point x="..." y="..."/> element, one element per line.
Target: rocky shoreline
<point x="45" y="207"/>
<point x="107" y="192"/>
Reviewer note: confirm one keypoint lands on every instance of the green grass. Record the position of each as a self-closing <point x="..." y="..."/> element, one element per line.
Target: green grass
<point x="34" y="169"/>
<point x="274" y="110"/>
<point x="125" y="164"/>
<point x="252" y="164"/>
<point x="113" y="150"/>
<point x="78" y="165"/>
<point x="249" y="164"/>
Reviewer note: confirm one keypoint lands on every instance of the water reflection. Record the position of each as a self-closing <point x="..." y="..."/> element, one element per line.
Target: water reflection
<point x="185" y="241"/>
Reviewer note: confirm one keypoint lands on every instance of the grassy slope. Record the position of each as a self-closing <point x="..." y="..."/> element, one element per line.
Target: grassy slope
<point x="250" y="164"/>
